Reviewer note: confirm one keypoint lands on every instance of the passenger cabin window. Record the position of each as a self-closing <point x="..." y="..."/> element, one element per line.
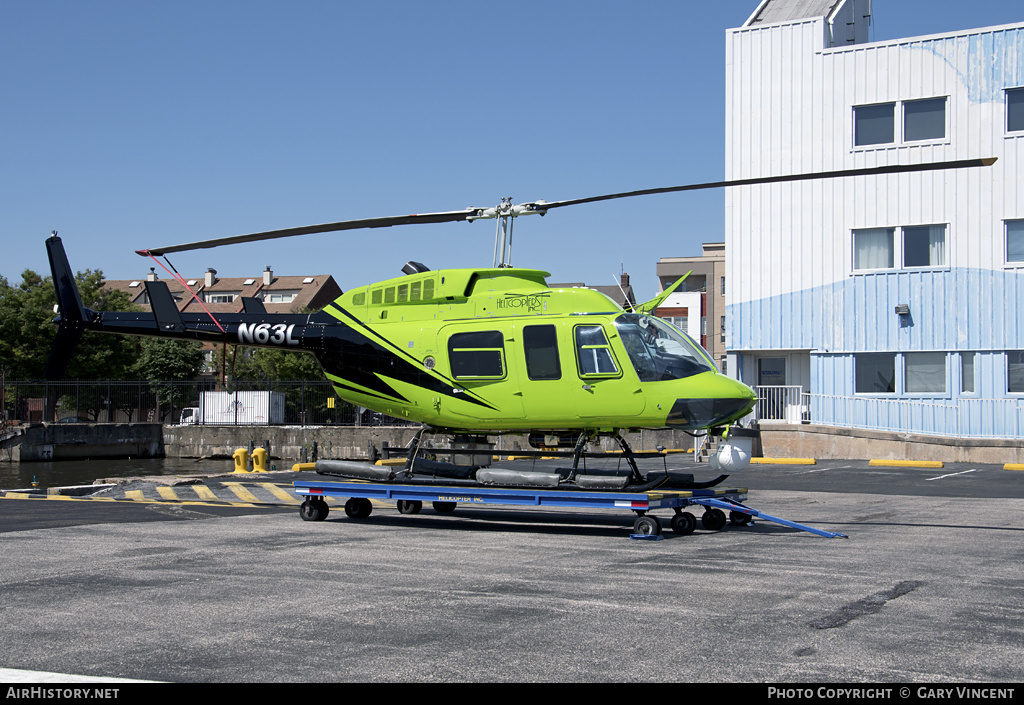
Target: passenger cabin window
<point x="593" y="352"/>
<point x="541" y="346"/>
<point x="477" y="355"/>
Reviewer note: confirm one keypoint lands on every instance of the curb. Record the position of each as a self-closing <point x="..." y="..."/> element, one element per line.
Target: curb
<point x="908" y="463"/>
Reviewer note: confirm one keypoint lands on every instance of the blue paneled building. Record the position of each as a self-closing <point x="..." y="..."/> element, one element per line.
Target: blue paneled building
<point x="890" y="302"/>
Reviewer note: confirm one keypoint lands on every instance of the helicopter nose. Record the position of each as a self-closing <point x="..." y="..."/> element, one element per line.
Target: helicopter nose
<point x="722" y="400"/>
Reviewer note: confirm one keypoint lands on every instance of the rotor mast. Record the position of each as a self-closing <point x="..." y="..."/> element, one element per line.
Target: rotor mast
<point x="505" y="215"/>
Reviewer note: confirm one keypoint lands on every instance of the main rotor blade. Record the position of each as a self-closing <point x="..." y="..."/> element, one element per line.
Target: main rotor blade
<point x="385" y="222"/>
<point x="542" y="206"/>
<point x="867" y="171"/>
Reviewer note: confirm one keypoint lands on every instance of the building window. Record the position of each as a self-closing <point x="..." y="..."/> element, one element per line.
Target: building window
<point x="722" y="334"/>
<point x="873" y="249"/>
<point x="924" y="373"/>
<point x="723" y="286"/>
<point x="1015" y="110"/>
<point x="919" y="246"/>
<point x="875" y="373"/>
<point x="967" y="372"/>
<point x="924" y="119"/>
<point x="279" y="297"/>
<point x="924" y="246"/>
<point x="680" y="322"/>
<point x="220" y="298"/>
<point x="1015" y="372"/>
<point x="1015" y="242"/>
<point x="874" y="124"/>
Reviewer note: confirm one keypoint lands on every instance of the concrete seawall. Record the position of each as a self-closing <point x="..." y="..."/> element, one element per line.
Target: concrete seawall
<point x="291" y="444"/>
<point x="73" y="441"/>
<point x="287" y="444"/>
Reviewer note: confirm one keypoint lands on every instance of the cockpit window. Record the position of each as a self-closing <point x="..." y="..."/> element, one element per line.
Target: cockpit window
<point x="658" y="351"/>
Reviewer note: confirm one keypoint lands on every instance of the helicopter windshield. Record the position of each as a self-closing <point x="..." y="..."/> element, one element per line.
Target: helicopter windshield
<point x="658" y="351"/>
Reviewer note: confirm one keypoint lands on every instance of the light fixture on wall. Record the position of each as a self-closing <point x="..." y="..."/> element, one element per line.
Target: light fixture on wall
<point x="902" y="310"/>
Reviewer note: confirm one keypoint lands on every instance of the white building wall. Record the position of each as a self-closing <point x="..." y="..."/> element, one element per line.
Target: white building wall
<point x="790" y="100"/>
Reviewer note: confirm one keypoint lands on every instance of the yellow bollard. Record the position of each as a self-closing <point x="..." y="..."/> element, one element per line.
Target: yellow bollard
<point x="241" y="460"/>
<point x="259" y="460"/>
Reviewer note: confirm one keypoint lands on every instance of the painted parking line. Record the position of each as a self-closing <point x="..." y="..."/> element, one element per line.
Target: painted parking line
<point x="205" y="493"/>
<point x="952" y="474"/>
<point x="241" y="492"/>
<point x="168" y="493"/>
<point x="130" y="500"/>
<point x="281" y="493"/>
<point x="13" y="675"/>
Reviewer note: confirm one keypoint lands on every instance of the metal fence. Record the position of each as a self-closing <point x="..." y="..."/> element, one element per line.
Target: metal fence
<point x="293" y="403"/>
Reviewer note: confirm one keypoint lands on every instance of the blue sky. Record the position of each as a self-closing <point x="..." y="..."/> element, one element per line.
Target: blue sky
<point x="132" y="124"/>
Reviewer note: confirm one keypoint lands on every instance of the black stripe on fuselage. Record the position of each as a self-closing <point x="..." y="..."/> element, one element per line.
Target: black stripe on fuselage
<point x="360" y="355"/>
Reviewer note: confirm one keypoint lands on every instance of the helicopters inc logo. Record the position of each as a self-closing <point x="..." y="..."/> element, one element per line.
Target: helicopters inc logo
<point x="533" y="303"/>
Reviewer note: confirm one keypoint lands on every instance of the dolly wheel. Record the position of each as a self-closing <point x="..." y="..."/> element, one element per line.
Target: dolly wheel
<point x="314" y="510"/>
<point x="358" y="508"/>
<point x="444" y="507"/>
<point x="647" y="526"/>
<point x="739" y="518"/>
<point x="684" y="523"/>
<point x="409" y="506"/>
<point x="713" y="519"/>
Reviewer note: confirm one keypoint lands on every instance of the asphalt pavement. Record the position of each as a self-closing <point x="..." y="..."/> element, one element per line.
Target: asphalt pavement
<point x="925" y="589"/>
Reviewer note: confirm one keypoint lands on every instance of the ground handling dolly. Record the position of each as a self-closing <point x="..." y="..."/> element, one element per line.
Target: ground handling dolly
<point x="410" y="499"/>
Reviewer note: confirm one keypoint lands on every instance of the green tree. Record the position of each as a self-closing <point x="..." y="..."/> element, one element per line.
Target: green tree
<point x="169" y="364"/>
<point x="167" y="359"/>
<point x="27" y="329"/>
<point x="272" y="364"/>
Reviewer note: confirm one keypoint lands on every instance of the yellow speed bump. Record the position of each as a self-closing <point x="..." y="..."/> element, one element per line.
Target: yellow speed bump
<point x="783" y="461"/>
<point x="907" y="463"/>
<point x="1013" y="466"/>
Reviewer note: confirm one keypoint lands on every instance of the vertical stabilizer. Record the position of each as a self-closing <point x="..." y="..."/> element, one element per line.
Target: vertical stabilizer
<point x="72" y="314"/>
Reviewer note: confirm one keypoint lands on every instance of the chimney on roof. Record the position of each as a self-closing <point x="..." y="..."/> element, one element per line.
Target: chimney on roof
<point x="624" y="279"/>
<point x="211" y="276"/>
<point x="151" y="277"/>
<point x="268" y="276"/>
